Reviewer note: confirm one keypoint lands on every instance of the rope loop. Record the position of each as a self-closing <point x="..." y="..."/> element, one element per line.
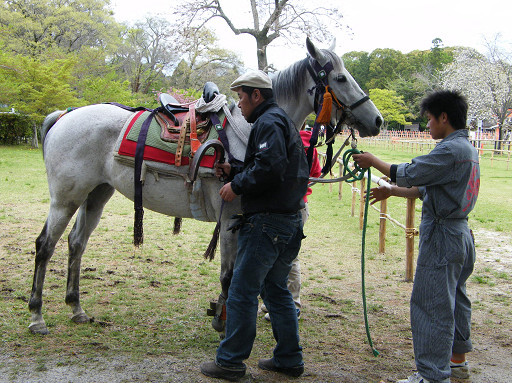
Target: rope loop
<point x="357" y="173"/>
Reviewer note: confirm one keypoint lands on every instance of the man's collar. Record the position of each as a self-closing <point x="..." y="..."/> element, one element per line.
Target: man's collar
<point x="260" y="109"/>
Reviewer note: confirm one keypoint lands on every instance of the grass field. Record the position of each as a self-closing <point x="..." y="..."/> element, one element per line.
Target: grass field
<point x="151" y="302"/>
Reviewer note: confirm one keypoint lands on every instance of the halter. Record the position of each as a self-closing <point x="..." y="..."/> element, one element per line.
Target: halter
<point x="320" y="75"/>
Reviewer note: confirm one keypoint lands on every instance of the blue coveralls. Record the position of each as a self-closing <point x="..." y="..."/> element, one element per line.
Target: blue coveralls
<point x="448" y="179"/>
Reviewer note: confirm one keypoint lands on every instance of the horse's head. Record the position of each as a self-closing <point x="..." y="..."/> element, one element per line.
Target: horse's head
<point x="353" y="107"/>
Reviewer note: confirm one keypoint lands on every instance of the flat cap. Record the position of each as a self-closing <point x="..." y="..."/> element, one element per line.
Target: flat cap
<point x="254" y="79"/>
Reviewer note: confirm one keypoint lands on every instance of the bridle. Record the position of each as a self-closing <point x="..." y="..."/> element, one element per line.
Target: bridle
<point x="320" y="75"/>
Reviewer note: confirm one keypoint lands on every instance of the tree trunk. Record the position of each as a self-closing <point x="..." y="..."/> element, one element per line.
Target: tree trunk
<point x="35" y="143"/>
<point x="261" y="46"/>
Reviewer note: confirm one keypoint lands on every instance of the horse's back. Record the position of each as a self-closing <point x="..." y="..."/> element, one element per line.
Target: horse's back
<point x="78" y="147"/>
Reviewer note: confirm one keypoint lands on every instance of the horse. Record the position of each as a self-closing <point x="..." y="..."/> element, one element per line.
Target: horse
<point x="83" y="174"/>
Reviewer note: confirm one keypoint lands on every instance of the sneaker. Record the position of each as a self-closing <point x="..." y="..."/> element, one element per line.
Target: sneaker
<point x="213" y="370"/>
<point x="460" y="370"/>
<point x="416" y="378"/>
<point x="268" y="365"/>
<point x="267" y="315"/>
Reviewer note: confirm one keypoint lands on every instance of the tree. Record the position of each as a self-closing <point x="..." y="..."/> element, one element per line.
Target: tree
<point x="391" y="106"/>
<point x="149" y="50"/>
<point x="358" y="64"/>
<point x="33" y="27"/>
<point x="386" y="65"/>
<point x="485" y="81"/>
<point x="268" y="20"/>
<point x="204" y="61"/>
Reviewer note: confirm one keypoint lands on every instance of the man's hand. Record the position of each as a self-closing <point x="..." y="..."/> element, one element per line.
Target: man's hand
<point x="226" y="193"/>
<point x="379" y="194"/>
<point x="222" y="169"/>
<point x="364" y="160"/>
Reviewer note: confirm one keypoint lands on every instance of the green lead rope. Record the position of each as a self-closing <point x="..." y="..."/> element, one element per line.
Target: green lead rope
<point x="357" y="174"/>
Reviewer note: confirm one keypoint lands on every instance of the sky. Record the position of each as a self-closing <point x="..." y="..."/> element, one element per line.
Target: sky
<point x="404" y="25"/>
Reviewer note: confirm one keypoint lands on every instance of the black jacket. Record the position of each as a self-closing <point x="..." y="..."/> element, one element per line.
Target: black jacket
<point x="275" y="172"/>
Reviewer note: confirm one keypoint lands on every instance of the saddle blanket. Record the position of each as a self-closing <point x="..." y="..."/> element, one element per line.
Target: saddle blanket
<point x="156" y="149"/>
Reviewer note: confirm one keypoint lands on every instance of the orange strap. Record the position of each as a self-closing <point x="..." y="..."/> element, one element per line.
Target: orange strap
<point x="194" y="142"/>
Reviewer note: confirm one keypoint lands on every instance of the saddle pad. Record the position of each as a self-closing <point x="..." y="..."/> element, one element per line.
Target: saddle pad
<point x="156" y="149"/>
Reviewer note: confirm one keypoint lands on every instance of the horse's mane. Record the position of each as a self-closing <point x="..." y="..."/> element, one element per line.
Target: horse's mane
<point x="292" y="80"/>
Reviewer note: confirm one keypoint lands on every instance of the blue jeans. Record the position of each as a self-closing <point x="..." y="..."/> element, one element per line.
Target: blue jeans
<point x="267" y="245"/>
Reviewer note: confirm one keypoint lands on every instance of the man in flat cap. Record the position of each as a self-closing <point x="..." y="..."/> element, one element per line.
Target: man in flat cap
<point x="272" y="183"/>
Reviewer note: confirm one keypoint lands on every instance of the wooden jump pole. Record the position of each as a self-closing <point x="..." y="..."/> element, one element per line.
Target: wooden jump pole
<point x="410" y="232"/>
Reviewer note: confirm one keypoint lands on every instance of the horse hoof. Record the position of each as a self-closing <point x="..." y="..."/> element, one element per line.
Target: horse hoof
<point x="38" y="328"/>
<point x="80" y="318"/>
<point x="218" y="324"/>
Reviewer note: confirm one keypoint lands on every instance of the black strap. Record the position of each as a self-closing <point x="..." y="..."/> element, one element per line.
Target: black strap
<point x="139" y="157"/>
<point x="357" y="103"/>
<point x="222" y="134"/>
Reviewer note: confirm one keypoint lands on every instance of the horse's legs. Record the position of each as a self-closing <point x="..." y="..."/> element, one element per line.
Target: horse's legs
<point x="58" y="219"/>
<point x="228" y="250"/>
<point x="87" y="219"/>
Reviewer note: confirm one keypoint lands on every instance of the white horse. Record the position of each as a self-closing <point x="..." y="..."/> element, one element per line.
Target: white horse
<point x="83" y="173"/>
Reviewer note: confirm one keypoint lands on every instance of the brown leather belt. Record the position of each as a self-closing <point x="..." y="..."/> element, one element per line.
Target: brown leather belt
<point x="181" y="140"/>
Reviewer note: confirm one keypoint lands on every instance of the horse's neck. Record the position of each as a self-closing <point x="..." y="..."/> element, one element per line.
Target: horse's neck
<point x="295" y="110"/>
<point x="297" y="105"/>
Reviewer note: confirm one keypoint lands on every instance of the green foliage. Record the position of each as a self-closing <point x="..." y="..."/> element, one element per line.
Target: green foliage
<point x="387" y="65"/>
<point x="12" y="127"/>
<point x="391" y="106"/>
<point x="107" y="88"/>
<point x="34" y="26"/>
<point x="410" y="75"/>
<point x="358" y="64"/>
<point x="44" y="87"/>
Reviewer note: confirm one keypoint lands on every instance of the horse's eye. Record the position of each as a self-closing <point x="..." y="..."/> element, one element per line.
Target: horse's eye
<point x="341" y="77"/>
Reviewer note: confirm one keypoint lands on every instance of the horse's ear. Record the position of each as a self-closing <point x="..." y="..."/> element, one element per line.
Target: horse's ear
<point x="313" y="52"/>
<point x="333" y="45"/>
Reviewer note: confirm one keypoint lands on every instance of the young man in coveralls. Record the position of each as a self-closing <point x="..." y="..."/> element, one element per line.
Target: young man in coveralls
<point x="447" y="179"/>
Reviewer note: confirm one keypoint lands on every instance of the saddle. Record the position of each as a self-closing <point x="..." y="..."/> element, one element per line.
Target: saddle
<point x="182" y="125"/>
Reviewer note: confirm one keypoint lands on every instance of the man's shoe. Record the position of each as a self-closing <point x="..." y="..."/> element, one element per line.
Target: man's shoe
<point x="267" y="315"/>
<point x="213" y="370"/>
<point x="416" y="378"/>
<point x="460" y="370"/>
<point x="268" y="364"/>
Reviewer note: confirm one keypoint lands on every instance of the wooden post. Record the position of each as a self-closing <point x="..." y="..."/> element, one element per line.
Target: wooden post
<point x="409" y="239"/>
<point x="361" y="204"/>
<point x="382" y="225"/>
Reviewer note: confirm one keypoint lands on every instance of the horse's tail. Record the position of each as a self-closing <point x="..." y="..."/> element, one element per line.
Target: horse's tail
<point x="48" y="122"/>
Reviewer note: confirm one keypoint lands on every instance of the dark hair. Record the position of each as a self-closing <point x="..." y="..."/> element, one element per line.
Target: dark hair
<point x="266" y="93"/>
<point x="446" y="101"/>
